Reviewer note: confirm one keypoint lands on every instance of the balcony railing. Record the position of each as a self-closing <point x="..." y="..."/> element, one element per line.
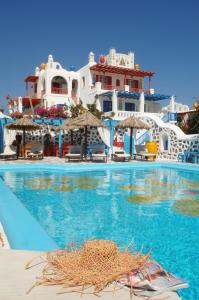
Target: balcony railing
<point x="137" y="90"/>
<point x="122" y="88"/>
<point x="56" y="90"/>
<point x="112" y="87"/>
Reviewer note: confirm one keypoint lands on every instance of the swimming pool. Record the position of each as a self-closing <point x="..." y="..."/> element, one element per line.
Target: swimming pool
<point x="148" y="205"/>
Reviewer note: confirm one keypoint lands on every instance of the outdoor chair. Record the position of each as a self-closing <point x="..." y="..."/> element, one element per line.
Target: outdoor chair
<point x="36" y="152"/>
<point x="98" y="152"/>
<point x="75" y="153"/>
<point x="120" y="155"/>
<point x="8" y="153"/>
<point x="143" y="154"/>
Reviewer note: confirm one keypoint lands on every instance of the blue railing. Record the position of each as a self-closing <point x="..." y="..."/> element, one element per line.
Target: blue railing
<point x="145" y="137"/>
<point x="169" y="117"/>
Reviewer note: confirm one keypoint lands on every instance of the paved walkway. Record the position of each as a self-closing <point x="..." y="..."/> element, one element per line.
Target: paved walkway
<point x="57" y="160"/>
<point x="15" y="281"/>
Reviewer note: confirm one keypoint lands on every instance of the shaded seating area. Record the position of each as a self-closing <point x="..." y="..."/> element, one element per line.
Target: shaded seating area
<point x="120" y="155"/>
<point x="98" y="153"/>
<point x="36" y="152"/>
<point x="74" y="153"/>
<point x="143" y="154"/>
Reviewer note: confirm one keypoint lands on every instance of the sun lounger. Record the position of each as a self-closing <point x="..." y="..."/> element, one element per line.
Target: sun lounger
<point x="36" y="152"/>
<point x="8" y="153"/>
<point x="143" y="154"/>
<point x="120" y="155"/>
<point x="75" y="153"/>
<point x="98" y="152"/>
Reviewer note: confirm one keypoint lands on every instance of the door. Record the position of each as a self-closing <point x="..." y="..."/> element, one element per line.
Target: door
<point x="129" y="106"/>
<point x="107" y="105"/>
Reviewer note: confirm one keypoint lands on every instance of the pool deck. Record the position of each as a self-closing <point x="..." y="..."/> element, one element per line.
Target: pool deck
<point x="57" y="160"/>
<point x="16" y="281"/>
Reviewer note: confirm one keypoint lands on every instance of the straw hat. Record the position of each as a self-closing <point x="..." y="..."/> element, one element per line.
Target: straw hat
<point x="97" y="263"/>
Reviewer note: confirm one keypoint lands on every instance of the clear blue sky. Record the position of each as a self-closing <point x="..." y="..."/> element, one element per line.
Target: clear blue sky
<point x="163" y="34"/>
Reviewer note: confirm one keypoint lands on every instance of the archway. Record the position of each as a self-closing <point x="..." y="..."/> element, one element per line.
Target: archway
<point x="59" y="85"/>
<point x="164" y="142"/>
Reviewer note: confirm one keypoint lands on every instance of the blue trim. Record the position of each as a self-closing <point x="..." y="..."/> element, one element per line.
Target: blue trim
<point x="136" y="95"/>
<point x="151" y="97"/>
<point x="96" y="166"/>
<point x="60" y="143"/>
<point x="22" y="230"/>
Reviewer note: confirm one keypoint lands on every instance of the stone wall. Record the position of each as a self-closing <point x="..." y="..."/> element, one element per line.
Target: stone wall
<point x="93" y="136"/>
<point x="175" y="145"/>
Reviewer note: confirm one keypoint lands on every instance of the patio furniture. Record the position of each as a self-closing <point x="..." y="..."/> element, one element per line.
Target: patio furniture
<point x="36" y="152"/>
<point x="8" y="153"/>
<point x="98" y="152"/>
<point x="120" y="155"/>
<point x="193" y="157"/>
<point x="132" y="123"/>
<point x="74" y="153"/>
<point x="143" y="154"/>
<point x="24" y="124"/>
<point x="182" y="156"/>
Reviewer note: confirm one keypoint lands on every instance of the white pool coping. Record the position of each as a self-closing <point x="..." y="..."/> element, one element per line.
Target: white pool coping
<point x="16" y="281"/>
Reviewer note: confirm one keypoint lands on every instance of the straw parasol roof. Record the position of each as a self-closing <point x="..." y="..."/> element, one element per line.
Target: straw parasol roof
<point x="87" y="119"/>
<point x="67" y="126"/>
<point x="23" y="123"/>
<point x="133" y="122"/>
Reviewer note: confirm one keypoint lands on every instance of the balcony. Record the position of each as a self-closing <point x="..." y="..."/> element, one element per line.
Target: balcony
<point x="56" y="90"/>
<point x="124" y="88"/>
<point x="121" y="114"/>
<point x="137" y="90"/>
<point x="112" y="87"/>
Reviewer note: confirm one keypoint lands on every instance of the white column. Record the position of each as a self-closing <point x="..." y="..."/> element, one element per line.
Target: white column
<point x="172" y="104"/>
<point x="114" y="102"/>
<point x="98" y="104"/>
<point x="141" y="102"/>
<point x="20" y="104"/>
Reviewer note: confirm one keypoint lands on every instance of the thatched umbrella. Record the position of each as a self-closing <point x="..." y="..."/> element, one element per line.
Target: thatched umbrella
<point x="67" y="126"/>
<point x="85" y="120"/>
<point x="24" y="124"/>
<point x="132" y="122"/>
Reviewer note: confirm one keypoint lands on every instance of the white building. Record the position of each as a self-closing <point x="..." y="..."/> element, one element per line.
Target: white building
<point x="116" y="84"/>
<point x="119" y="88"/>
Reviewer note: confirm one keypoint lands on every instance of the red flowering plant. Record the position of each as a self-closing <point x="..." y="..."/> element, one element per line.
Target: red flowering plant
<point x="41" y="111"/>
<point x="52" y="112"/>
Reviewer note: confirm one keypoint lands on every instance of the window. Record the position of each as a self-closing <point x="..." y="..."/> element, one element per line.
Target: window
<point x="120" y="105"/>
<point x="129" y="106"/>
<point x="107" y="105"/>
<point x="104" y="79"/>
<point x="135" y="84"/>
<point x="117" y="82"/>
<point x="83" y="81"/>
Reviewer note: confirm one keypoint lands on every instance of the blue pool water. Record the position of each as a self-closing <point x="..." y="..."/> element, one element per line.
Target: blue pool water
<point x="108" y="204"/>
